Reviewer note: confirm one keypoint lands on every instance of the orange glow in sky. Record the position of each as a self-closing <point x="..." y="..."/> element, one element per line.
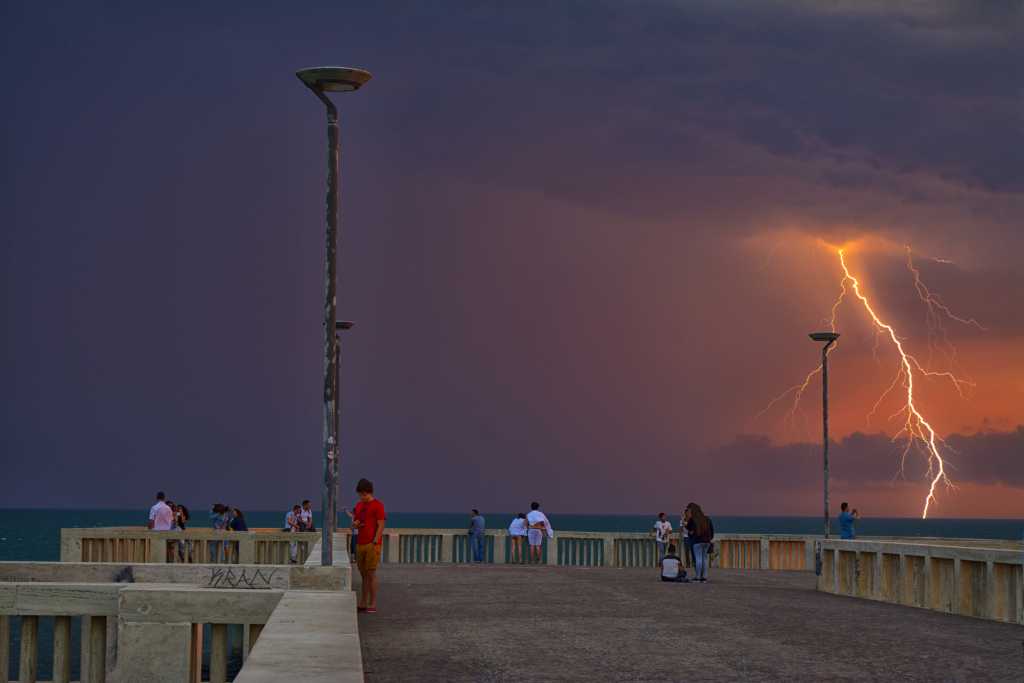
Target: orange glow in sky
<point x="918" y="431"/>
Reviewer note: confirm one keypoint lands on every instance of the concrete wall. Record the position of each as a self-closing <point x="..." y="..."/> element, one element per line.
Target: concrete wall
<point x="310" y="638"/>
<point x="306" y="577"/>
<point x="598" y="549"/>
<point x="144" y="622"/>
<point x="958" y="579"/>
<point x="193" y="546"/>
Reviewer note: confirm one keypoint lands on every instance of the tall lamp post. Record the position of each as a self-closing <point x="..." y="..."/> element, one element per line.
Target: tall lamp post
<point x="830" y="339"/>
<point x="323" y="80"/>
<point x="338" y="328"/>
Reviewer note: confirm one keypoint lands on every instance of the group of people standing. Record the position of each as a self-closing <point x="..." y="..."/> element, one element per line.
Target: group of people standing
<point x="299" y="518"/>
<point x="166" y="515"/>
<point x="696" y="533"/>
<point x="531" y="527"/>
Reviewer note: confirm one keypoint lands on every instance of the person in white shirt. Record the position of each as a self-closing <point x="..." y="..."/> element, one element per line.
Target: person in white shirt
<point x="306" y="516"/>
<point x="517" y="532"/>
<point x="161" y="516"/>
<point x="293" y="523"/>
<point x="662" y="532"/>
<point x="537" y="523"/>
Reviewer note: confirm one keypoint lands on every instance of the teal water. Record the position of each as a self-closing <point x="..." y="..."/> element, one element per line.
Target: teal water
<point x="35" y="534"/>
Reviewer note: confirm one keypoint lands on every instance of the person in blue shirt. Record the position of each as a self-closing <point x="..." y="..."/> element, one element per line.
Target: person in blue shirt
<point x="476" y="535"/>
<point x="846" y="522"/>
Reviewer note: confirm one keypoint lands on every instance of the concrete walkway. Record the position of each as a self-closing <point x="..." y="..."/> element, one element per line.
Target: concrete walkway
<point x="506" y="623"/>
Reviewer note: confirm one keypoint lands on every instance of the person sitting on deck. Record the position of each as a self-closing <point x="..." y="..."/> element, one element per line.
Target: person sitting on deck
<point x="672" y="567"/>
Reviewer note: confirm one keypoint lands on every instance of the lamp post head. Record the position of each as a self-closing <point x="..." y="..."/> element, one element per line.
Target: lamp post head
<point x="824" y="336"/>
<point x="333" y="78"/>
<point x="343" y="325"/>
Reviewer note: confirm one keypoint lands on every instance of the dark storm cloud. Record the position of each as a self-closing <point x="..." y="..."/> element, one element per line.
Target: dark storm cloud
<point x="937" y="92"/>
<point x="982" y="294"/>
<point x="542" y="204"/>
<point x="985" y="457"/>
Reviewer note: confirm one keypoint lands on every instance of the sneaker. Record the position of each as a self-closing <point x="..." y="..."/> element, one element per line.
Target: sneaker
<point x="371" y="610"/>
<point x="360" y="609"/>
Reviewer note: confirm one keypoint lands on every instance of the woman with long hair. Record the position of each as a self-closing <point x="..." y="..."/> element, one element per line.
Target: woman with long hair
<point x="181" y="518"/>
<point x="517" y="531"/>
<point x="237" y="522"/>
<point x="701" y="530"/>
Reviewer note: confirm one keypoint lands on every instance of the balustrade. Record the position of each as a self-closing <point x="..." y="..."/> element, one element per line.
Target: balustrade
<point x="967" y="579"/>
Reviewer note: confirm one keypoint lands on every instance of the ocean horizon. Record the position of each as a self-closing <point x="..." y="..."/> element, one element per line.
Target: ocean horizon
<point x="33" y="534"/>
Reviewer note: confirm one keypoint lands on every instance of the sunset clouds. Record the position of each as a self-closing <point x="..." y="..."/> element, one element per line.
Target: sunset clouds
<point x="583" y="244"/>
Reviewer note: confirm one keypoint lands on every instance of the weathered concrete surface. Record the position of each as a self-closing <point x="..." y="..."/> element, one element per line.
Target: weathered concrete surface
<point x="309" y="577"/>
<point x="487" y="623"/>
<point x="311" y="637"/>
<point x="153" y="652"/>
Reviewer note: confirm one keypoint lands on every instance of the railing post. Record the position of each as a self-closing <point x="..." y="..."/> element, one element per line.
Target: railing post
<point x="766" y="554"/>
<point x="218" y="653"/>
<point x="28" y="665"/>
<point x="158" y="550"/>
<point x="394" y="552"/>
<point x="1020" y="600"/>
<point x="499" y="548"/>
<point x="5" y="647"/>
<point x="877" y="589"/>
<point x="61" y="649"/>
<point x="552" y="551"/>
<point x="928" y="582"/>
<point x="247" y="548"/>
<point x="447" y="548"/>
<point x="955" y="600"/>
<point x="70" y="546"/>
<point x="608" y="549"/>
<point x="195" y="659"/>
<point x="254" y="633"/>
<point x="97" y="649"/>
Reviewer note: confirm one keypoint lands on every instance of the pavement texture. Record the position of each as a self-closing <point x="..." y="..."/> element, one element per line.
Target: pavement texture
<point x="523" y="623"/>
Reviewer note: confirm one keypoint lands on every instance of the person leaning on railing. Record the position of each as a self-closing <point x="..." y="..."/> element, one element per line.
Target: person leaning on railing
<point x="181" y="518"/>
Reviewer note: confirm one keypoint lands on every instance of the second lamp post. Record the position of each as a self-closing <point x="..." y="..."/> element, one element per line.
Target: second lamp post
<point x="830" y="338"/>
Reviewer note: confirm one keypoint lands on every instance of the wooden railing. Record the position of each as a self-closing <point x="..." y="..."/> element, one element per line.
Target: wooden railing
<point x="192" y="546"/>
<point x="158" y="627"/>
<point x="597" y="549"/>
<point x="29" y="603"/>
<point x="957" y="577"/>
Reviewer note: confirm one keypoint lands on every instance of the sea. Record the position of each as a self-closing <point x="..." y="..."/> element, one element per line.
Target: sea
<point x="27" y="534"/>
<point x="34" y="535"/>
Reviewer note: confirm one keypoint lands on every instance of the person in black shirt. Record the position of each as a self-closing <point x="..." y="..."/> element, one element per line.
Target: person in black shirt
<point x="702" y="531"/>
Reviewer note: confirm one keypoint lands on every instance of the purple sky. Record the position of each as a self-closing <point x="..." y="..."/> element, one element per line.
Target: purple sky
<point x="582" y="243"/>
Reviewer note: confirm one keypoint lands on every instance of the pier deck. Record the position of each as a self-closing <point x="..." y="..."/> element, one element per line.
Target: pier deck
<point x="492" y="623"/>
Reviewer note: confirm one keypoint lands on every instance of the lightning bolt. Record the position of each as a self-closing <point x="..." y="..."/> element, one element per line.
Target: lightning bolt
<point x="917" y="428"/>
<point x="919" y="432"/>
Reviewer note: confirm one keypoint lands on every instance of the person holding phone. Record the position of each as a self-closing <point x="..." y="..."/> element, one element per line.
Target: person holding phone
<point x="847" y="520"/>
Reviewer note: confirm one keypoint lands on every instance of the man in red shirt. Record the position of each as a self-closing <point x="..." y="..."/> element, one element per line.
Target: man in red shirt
<point x="368" y="518"/>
